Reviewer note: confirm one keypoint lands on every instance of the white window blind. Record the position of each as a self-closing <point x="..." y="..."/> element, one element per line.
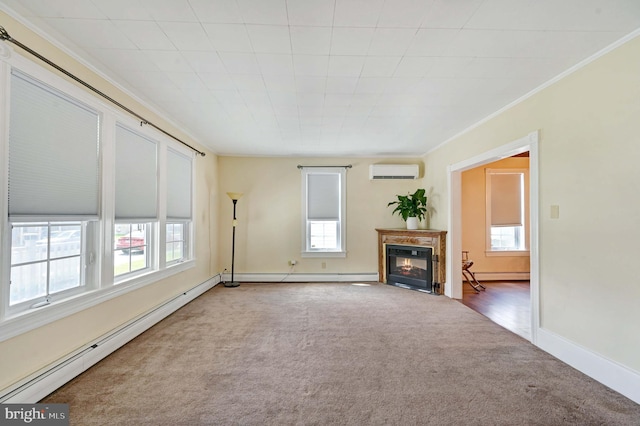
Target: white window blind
<point x="323" y="196"/>
<point x="136" y="176"/>
<point x="178" y="186"/>
<point x="506" y="199"/>
<point x="53" y="153"/>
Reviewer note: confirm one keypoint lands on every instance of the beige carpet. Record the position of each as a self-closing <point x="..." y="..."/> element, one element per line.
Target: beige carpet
<point x="335" y="354"/>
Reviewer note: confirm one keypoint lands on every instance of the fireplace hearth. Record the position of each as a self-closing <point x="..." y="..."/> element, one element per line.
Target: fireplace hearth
<point x="410" y="267"/>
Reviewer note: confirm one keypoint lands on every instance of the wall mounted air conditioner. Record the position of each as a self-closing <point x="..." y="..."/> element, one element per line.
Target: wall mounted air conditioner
<point x="393" y="171"/>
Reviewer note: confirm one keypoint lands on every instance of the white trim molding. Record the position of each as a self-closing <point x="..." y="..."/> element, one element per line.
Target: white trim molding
<point x="618" y="377"/>
<point x="301" y="278"/>
<point x="42" y="383"/>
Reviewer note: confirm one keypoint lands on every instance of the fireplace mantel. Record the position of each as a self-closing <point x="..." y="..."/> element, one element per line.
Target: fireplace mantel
<point x="415" y="237"/>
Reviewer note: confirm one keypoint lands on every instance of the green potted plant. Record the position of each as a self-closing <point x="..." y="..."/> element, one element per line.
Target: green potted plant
<point x="411" y="207"/>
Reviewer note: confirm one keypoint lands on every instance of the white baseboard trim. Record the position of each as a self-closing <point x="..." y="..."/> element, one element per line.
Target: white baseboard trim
<point x="45" y="381"/>
<point x="502" y="276"/>
<point x="618" y="377"/>
<point x="296" y="278"/>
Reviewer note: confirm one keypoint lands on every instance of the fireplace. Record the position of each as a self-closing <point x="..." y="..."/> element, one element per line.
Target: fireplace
<point x="410" y="267"/>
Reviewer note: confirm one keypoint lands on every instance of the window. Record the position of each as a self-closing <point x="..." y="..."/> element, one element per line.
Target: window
<point x="46" y="259"/>
<point x="131" y="248"/>
<point x="175" y="242"/>
<point x="506" y="199"/>
<point x="324" y="207"/>
<point x="93" y="204"/>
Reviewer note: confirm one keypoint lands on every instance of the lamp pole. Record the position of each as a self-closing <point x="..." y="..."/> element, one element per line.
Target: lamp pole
<point x="234" y="197"/>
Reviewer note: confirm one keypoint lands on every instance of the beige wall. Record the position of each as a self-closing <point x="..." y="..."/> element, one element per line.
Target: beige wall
<point x="269" y="214"/>
<point x="29" y="352"/>
<point x="588" y="165"/>
<point x="474" y="219"/>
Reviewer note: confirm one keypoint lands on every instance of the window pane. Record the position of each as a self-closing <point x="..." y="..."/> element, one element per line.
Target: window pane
<point x="323" y="235"/>
<point x="64" y="274"/>
<point x="175" y="242"/>
<point x="507" y="238"/>
<point x="131" y="252"/>
<point x="65" y="241"/>
<point x="28" y="282"/>
<point x="27" y="243"/>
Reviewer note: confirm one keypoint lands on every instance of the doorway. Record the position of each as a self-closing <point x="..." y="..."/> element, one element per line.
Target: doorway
<point x="454" y="286"/>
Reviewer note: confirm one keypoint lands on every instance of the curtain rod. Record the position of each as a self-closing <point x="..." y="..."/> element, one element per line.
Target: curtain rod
<point x="4" y="35"/>
<point x="348" y="166"/>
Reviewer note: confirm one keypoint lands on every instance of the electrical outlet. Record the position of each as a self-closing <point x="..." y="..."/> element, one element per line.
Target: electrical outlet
<point x="293" y="262"/>
<point x="324" y="265"/>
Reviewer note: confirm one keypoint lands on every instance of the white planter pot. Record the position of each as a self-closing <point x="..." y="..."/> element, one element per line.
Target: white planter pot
<point x="412" y="223"/>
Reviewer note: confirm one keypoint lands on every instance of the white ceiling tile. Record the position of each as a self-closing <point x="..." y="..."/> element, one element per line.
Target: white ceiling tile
<point x="341" y="85"/>
<point x="204" y="61"/>
<point x="64" y="9"/>
<point x="357" y="13"/>
<point x="450" y="14"/>
<point x="284" y="101"/>
<point x="123" y="60"/>
<point x="169" y="10"/>
<point x="145" y="35"/>
<point x="275" y="64"/>
<point x="403" y="13"/>
<point x="249" y="83"/>
<point x="311" y="84"/>
<point x="269" y="38"/>
<point x="371" y="85"/>
<point x="311" y="65"/>
<point x="310" y="12"/>
<point x="310" y="99"/>
<point x="345" y="66"/>
<point x="217" y="11"/>
<point x="448" y="67"/>
<point x="351" y="41"/>
<point x="431" y="42"/>
<point x="414" y="66"/>
<point x="120" y="9"/>
<point x="91" y="33"/>
<point x="229" y="37"/>
<point x="168" y="60"/>
<point x="217" y="81"/>
<point x="567" y="15"/>
<point x="406" y="85"/>
<point x="186" y="80"/>
<point x="380" y="66"/>
<point x="310" y="40"/>
<point x="240" y="63"/>
<point x="391" y="41"/>
<point x="187" y="36"/>
<point x="228" y="98"/>
<point x="280" y="83"/>
<point x="337" y="99"/>
<point x="268" y="12"/>
<point x="149" y="79"/>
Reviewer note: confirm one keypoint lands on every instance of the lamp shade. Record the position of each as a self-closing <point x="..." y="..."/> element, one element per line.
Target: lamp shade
<point x="234" y="195"/>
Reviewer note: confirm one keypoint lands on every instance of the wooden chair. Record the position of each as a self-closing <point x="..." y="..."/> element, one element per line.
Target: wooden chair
<point x="469" y="276"/>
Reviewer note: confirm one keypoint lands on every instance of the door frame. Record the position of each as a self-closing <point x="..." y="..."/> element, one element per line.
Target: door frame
<point x="453" y="287"/>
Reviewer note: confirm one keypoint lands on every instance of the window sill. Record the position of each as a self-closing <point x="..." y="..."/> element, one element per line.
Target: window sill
<point x="34" y="318"/>
<point x="323" y="254"/>
<point x="511" y="253"/>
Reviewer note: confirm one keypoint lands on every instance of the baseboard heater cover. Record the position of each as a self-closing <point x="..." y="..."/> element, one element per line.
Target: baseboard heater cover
<point x="33" y="389"/>
<point x="296" y="278"/>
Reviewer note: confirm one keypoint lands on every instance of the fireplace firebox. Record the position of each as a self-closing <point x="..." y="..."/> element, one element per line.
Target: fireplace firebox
<point x="410" y="267"/>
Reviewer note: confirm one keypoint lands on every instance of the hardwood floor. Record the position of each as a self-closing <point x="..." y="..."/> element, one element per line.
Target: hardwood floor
<point x="505" y="303"/>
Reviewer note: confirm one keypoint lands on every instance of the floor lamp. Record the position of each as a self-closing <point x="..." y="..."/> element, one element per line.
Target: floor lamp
<point x="235" y="196"/>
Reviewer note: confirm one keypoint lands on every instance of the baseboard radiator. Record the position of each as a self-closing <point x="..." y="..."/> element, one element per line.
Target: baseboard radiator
<point x="45" y="381"/>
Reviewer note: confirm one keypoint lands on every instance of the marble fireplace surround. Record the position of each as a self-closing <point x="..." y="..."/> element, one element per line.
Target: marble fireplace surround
<point x="416" y="238"/>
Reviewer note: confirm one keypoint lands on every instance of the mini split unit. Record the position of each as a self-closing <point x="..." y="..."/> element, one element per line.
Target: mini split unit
<point x="393" y="171"/>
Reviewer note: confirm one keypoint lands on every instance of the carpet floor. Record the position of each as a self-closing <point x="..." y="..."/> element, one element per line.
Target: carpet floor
<point x="335" y="354"/>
